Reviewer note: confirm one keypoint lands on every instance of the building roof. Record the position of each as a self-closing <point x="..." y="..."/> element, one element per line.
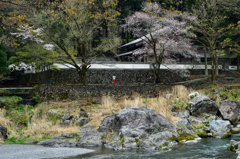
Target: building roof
<point x="126" y="53"/>
<point x="132" y="42"/>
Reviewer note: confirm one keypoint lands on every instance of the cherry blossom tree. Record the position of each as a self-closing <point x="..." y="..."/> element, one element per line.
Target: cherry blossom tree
<point x="164" y="34"/>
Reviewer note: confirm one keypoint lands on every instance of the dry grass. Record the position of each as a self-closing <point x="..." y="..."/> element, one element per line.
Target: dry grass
<point x="41" y="126"/>
<point x="161" y="104"/>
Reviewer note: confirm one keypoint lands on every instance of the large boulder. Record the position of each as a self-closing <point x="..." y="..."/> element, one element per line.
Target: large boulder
<point x="3" y="133"/>
<point x="220" y="128"/>
<point x="200" y="105"/>
<point x="138" y="127"/>
<point x="229" y="110"/>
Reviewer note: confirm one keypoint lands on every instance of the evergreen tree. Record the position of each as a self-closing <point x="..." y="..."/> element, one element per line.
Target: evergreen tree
<point x="4" y="70"/>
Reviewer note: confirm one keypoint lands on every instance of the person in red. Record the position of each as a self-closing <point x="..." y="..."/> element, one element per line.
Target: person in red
<point x="114" y="77"/>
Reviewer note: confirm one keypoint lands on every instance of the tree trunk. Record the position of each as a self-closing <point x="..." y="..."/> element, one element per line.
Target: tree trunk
<point x="216" y="65"/>
<point x="82" y="77"/>
<point x="238" y="63"/>
<point x="157" y="72"/>
<point x="213" y="70"/>
<point x="205" y="56"/>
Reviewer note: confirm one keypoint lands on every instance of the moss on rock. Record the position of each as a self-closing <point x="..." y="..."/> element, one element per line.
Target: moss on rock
<point x="185" y="136"/>
<point x="226" y="135"/>
<point x="174" y="138"/>
<point x="235" y="131"/>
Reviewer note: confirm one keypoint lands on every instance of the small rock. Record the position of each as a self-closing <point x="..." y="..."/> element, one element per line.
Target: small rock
<point x="3" y="133"/>
<point x="60" y="115"/>
<point x="174" y="108"/>
<point x="50" y="112"/>
<point x="66" y="116"/>
<point x="84" y="114"/>
<point x="185" y="123"/>
<point x="233" y="146"/>
<point x="87" y="128"/>
<point x="65" y="123"/>
<point x="75" y="118"/>
<point x="83" y="121"/>
<point x="181" y="114"/>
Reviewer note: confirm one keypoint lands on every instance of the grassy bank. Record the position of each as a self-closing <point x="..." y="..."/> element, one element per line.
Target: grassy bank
<point x="33" y="124"/>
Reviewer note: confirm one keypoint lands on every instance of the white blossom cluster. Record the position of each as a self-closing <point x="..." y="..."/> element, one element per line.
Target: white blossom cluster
<point x="193" y="94"/>
<point x="22" y="67"/>
<point x="27" y="32"/>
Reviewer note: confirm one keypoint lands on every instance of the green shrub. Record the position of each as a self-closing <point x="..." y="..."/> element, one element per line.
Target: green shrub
<point x="14" y="140"/>
<point x="37" y="100"/>
<point x="229" y="78"/>
<point x="54" y="118"/>
<point x="19" y="118"/>
<point x="45" y="137"/>
<point x="223" y="95"/>
<point x="206" y="123"/>
<point x="9" y="102"/>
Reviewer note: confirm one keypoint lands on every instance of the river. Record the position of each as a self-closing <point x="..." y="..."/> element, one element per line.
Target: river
<point x="207" y="148"/>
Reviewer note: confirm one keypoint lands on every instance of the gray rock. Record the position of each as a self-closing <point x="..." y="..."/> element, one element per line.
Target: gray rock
<point x="185" y="131"/>
<point x="220" y="128"/>
<point x="88" y="139"/>
<point x="75" y="118"/>
<point x="185" y="123"/>
<point x="66" y="116"/>
<point x="194" y="120"/>
<point x="174" y="108"/>
<point x="181" y="114"/>
<point x="207" y="129"/>
<point x="91" y="139"/>
<point x="84" y="114"/>
<point x="3" y="133"/>
<point x="87" y="128"/>
<point x="229" y="110"/>
<point x="65" y="123"/>
<point x="202" y="105"/>
<point x="83" y="121"/>
<point x="62" y="140"/>
<point x="137" y="127"/>
<point x="233" y="146"/>
<point x="51" y="112"/>
<point x="60" y="115"/>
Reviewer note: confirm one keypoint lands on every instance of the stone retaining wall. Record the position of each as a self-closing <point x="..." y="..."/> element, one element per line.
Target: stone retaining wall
<point x="100" y="76"/>
<point x="60" y="92"/>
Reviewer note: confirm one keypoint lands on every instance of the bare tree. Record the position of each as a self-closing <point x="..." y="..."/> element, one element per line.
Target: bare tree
<point x="210" y="29"/>
<point x="164" y="33"/>
<point x="71" y="26"/>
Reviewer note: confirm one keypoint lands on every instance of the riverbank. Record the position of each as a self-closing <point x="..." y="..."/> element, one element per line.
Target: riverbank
<point x="33" y="124"/>
<point x="38" y="152"/>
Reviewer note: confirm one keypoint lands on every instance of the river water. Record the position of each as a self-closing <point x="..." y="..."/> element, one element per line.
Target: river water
<point x="207" y="148"/>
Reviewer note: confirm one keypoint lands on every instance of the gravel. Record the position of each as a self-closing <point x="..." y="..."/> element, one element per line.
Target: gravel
<point x="18" y="151"/>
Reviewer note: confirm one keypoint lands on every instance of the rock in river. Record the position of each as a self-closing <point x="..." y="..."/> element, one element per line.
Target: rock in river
<point x="138" y="127"/>
<point x="220" y="128"/>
